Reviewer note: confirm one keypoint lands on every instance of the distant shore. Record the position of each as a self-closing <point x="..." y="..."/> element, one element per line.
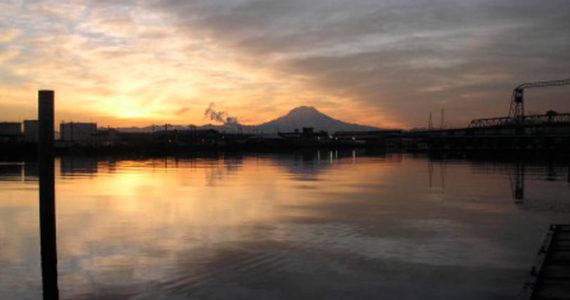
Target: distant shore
<point x="28" y="151"/>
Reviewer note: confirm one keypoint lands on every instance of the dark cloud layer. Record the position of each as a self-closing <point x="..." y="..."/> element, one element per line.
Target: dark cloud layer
<point x="405" y="58"/>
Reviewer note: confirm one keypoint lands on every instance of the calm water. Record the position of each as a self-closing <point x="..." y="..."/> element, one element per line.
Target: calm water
<point x="319" y="225"/>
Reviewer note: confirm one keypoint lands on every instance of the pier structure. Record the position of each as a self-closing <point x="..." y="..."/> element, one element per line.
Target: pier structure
<point x="549" y="278"/>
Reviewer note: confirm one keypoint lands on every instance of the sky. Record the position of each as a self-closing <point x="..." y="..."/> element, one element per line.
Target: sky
<point x="387" y="63"/>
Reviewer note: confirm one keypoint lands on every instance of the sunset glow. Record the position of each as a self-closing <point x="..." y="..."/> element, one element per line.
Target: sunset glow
<point x="388" y="64"/>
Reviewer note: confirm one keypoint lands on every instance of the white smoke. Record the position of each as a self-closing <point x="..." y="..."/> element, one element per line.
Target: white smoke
<point x="219" y="116"/>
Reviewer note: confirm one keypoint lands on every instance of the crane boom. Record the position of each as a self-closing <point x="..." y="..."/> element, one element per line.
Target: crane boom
<point x="516" y="111"/>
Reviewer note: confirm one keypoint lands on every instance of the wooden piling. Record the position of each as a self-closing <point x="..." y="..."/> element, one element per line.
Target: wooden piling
<point x="47" y="194"/>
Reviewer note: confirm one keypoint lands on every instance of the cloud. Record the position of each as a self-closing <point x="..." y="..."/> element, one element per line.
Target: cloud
<point x="404" y="57"/>
<point x="8" y="54"/>
<point x="60" y="10"/>
<point x="182" y="111"/>
<point x="8" y="34"/>
<point x="387" y="63"/>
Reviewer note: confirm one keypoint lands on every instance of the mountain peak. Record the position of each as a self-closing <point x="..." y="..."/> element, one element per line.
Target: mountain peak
<point x="308" y="116"/>
<point x="303" y="110"/>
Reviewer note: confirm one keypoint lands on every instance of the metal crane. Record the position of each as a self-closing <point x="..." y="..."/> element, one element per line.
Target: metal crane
<point x="516" y="111"/>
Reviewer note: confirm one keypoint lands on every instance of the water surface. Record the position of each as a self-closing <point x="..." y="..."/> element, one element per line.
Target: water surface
<point x="314" y="225"/>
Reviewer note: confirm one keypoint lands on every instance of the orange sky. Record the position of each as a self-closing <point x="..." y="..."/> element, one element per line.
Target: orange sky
<point x="135" y="63"/>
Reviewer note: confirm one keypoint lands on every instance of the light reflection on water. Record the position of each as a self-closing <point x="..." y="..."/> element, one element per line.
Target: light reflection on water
<point x="310" y="225"/>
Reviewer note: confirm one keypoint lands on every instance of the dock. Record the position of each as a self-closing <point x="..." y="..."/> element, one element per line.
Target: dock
<point x="550" y="277"/>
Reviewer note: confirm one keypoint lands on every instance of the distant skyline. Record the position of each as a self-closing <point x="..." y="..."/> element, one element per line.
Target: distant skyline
<point x="379" y="63"/>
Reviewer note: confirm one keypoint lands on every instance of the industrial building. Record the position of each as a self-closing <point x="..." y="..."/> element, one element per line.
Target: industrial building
<point x="10" y="131"/>
<point x="31" y="131"/>
<point x="10" y="128"/>
<point x="77" y="133"/>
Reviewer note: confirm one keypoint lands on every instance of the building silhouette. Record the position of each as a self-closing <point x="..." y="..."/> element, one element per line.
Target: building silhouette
<point x="10" y="131"/>
<point x="77" y="133"/>
<point x="31" y="131"/>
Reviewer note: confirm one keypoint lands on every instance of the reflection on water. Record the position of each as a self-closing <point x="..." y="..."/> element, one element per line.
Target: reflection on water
<point x="326" y="224"/>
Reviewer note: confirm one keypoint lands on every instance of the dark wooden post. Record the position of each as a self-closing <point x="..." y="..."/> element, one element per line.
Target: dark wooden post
<point x="47" y="194"/>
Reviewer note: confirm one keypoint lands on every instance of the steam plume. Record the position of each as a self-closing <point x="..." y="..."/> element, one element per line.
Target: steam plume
<point x="219" y="116"/>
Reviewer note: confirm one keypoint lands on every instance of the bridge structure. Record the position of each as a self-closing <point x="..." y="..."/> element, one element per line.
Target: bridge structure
<point x="516" y="110"/>
<point x="517" y="131"/>
<point x="551" y="117"/>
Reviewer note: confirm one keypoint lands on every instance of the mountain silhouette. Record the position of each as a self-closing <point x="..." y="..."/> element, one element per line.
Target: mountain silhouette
<point x="308" y="116"/>
<point x="297" y="118"/>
